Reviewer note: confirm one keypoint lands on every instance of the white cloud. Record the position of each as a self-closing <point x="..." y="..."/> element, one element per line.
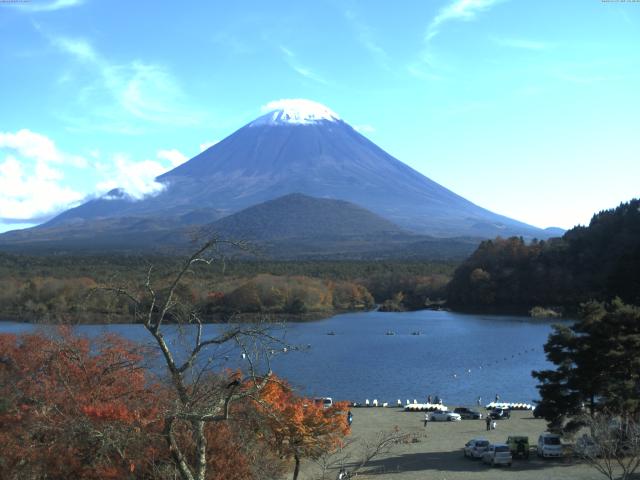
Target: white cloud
<point x="427" y="66"/>
<point x="287" y="52"/>
<point x="137" y="179"/>
<point x="35" y="146"/>
<point x="30" y="186"/>
<point x="122" y="94"/>
<point x="32" y="191"/>
<point x="364" y="128"/>
<point x="291" y="59"/>
<point x="50" y="6"/>
<point x="31" y="145"/>
<point x="79" y="48"/>
<point x="364" y="35"/>
<point x="33" y="185"/>
<point x="522" y="43"/>
<point x="458" y="10"/>
<point x="305" y="72"/>
<point x="174" y="156"/>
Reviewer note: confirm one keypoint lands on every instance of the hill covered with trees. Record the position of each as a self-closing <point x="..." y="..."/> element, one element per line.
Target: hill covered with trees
<point x="600" y="261"/>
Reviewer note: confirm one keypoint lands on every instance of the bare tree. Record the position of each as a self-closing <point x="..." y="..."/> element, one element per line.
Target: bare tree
<point x="359" y="453"/>
<point x="201" y="396"/>
<point x="612" y="446"/>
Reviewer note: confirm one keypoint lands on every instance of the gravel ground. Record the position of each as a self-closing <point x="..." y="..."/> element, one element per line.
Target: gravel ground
<point x="437" y="453"/>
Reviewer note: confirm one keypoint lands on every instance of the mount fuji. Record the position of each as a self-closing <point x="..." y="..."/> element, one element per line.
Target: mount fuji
<point x="299" y="147"/>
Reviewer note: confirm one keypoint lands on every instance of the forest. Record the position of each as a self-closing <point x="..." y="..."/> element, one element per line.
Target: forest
<point x="74" y="289"/>
<point x="600" y="261"/>
<point x="595" y="262"/>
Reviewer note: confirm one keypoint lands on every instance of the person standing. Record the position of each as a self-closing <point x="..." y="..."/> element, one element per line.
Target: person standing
<point x="488" y="422"/>
<point x="426" y="418"/>
<point x="349" y="418"/>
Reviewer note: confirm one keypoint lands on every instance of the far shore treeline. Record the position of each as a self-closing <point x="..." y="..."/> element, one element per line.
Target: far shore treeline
<point x="597" y="262"/>
<point x="66" y="288"/>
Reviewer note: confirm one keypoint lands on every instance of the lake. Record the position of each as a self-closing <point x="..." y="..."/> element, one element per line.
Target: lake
<point x="456" y="356"/>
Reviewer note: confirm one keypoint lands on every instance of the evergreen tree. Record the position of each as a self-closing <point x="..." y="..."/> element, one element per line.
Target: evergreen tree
<point x="597" y="366"/>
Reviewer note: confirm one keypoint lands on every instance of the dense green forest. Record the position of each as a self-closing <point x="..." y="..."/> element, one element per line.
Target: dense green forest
<point x="600" y="261"/>
<point x="68" y="288"/>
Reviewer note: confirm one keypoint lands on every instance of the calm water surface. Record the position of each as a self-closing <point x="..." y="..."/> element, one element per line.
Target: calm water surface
<point x="457" y="356"/>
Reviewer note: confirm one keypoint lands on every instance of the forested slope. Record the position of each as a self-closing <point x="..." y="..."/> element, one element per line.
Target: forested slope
<point x="600" y="261"/>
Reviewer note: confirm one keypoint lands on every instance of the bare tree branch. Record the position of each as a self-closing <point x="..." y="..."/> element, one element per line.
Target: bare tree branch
<point x="202" y="395"/>
<point x="612" y="446"/>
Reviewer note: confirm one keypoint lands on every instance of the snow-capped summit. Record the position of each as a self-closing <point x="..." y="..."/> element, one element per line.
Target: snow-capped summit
<point x="297" y="146"/>
<point x="295" y="111"/>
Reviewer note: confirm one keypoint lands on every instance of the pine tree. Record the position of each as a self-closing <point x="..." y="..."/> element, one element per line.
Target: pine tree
<point x="597" y="366"/>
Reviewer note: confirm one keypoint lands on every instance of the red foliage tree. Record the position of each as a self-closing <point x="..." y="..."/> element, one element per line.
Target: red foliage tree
<point x="299" y="427"/>
<point x="73" y="408"/>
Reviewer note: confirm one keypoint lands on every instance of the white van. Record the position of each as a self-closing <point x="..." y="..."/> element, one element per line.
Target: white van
<point x="326" y="402"/>
<point x="549" y="445"/>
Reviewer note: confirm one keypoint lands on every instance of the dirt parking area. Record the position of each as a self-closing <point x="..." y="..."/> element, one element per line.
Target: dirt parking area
<point x="437" y="452"/>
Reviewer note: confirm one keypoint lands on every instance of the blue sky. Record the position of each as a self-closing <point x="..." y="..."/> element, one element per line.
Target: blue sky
<point x="527" y="108"/>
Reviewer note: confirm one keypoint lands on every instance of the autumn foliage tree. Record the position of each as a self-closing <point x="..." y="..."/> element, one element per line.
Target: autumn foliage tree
<point x="298" y="427"/>
<point x="71" y="408"/>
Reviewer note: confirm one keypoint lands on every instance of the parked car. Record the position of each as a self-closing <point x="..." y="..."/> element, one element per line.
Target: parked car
<point x="500" y="413"/>
<point x="549" y="445"/>
<point x="475" y="447"/>
<point x="326" y="402"/>
<point x="519" y="446"/>
<point x="467" y="413"/>
<point x="497" y="454"/>
<point x="445" y="417"/>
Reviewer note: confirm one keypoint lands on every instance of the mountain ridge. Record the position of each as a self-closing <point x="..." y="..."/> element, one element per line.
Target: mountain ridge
<point x="310" y="151"/>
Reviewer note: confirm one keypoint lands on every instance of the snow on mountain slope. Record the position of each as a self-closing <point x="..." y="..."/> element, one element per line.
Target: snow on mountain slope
<point x="296" y="111"/>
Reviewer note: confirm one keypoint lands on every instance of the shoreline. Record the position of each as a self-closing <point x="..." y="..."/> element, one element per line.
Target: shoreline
<point x="220" y="318"/>
<point x="253" y="317"/>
